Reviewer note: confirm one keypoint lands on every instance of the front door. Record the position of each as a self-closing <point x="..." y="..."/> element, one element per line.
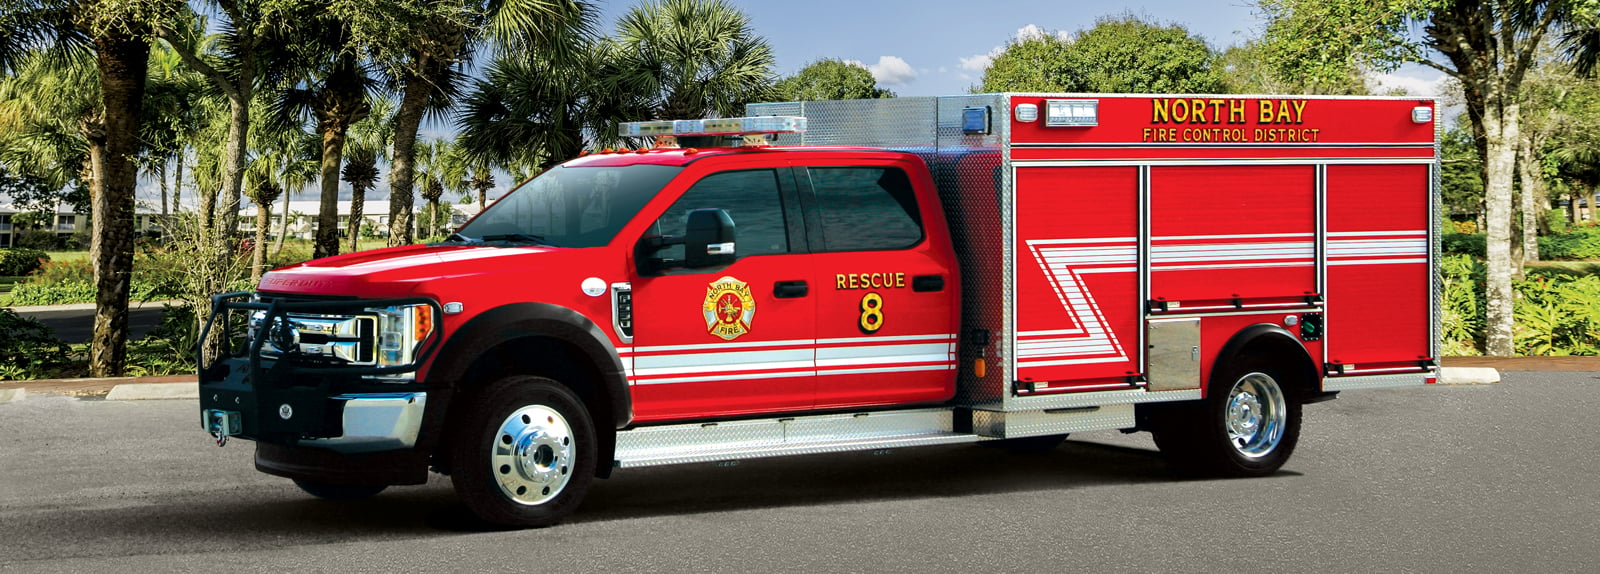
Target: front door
<point x="734" y="340"/>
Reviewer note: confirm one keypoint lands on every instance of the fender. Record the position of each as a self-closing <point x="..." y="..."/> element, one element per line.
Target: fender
<point x="518" y="320"/>
<point x="1264" y="334"/>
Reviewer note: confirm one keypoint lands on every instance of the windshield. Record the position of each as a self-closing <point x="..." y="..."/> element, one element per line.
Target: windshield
<point x="570" y="206"/>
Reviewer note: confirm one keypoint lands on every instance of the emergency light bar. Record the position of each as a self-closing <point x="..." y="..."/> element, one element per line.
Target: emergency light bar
<point x="715" y="127"/>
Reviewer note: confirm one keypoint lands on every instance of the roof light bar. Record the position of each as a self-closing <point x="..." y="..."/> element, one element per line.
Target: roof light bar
<point x="714" y="127"/>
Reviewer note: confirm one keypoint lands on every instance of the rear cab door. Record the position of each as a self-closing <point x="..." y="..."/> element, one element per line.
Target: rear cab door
<point x="888" y="297"/>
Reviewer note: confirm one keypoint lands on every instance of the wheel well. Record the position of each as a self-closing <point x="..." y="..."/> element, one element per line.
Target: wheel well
<point x="539" y="356"/>
<point x="1274" y="345"/>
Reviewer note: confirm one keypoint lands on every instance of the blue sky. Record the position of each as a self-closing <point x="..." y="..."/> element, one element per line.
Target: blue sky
<point x="939" y="47"/>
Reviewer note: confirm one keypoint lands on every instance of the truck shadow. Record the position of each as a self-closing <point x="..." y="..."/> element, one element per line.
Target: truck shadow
<point x="907" y="474"/>
<point x="250" y="516"/>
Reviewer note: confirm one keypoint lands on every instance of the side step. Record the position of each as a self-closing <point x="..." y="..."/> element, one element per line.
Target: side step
<point x="735" y="440"/>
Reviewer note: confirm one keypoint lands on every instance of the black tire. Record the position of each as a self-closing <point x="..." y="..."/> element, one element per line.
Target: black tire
<point x="338" y="491"/>
<point x="525" y="453"/>
<point x="1196" y="438"/>
<point x="1028" y="444"/>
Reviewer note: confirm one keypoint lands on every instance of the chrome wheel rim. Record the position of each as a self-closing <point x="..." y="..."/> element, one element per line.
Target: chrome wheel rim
<point x="1256" y="415"/>
<point x="531" y="455"/>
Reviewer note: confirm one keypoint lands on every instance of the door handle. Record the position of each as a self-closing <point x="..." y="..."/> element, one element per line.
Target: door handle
<point x="927" y="283"/>
<point x="790" y="289"/>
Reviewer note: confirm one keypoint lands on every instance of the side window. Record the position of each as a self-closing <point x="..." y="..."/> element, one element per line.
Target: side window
<point x="750" y="197"/>
<point x="866" y="208"/>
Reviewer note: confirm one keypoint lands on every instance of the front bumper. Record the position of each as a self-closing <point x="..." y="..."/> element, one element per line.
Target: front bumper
<point x="368" y="422"/>
<point x="309" y="402"/>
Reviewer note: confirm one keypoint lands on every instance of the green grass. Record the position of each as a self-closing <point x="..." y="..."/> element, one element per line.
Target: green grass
<point x="68" y="255"/>
<point x="7" y="282"/>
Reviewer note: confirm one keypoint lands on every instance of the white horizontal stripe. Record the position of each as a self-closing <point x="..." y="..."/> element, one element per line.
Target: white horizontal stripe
<point x="1225" y="248"/>
<point x="1423" y="233"/>
<point x="943" y="337"/>
<point x="1374" y="251"/>
<point x="727" y="359"/>
<point x="888" y="360"/>
<point x="1239" y="236"/>
<point x="946" y="367"/>
<point x="776" y="365"/>
<point x="1226" y="266"/>
<point x="1082" y="241"/>
<point x="743" y="377"/>
<point x="1048" y="333"/>
<point x="1377" y="261"/>
<point x="880" y="351"/>
<point x="723" y="346"/>
<point x="1041" y="363"/>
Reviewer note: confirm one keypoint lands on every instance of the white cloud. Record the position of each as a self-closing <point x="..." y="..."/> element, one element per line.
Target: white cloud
<point x="891" y="70"/>
<point x="1412" y="85"/>
<point x="981" y="62"/>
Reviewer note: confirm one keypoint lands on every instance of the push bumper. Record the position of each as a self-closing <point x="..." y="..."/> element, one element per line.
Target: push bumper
<point x="369" y="422"/>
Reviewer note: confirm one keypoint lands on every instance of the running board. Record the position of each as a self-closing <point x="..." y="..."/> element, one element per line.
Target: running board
<point x="736" y="440"/>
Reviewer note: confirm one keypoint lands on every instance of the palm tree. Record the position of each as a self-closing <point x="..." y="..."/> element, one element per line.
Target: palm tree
<point x="533" y="111"/>
<point x="262" y="191"/>
<point x="427" y="55"/>
<point x="172" y="119"/>
<point x="688" y="58"/>
<point x="369" y="139"/>
<point x="117" y="38"/>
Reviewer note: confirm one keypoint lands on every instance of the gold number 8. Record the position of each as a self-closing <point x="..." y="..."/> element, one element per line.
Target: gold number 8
<point x="871" y="313"/>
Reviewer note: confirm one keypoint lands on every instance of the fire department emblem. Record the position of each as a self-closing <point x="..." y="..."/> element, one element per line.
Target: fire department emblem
<point x="729" y="308"/>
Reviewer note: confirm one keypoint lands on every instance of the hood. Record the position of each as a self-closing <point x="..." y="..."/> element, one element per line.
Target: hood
<point x="395" y="271"/>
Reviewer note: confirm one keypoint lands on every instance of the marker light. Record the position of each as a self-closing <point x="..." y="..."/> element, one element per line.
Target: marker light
<point x="1422" y="115"/>
<point x="1071" y="113"/>
<point x="1027" y="113"/>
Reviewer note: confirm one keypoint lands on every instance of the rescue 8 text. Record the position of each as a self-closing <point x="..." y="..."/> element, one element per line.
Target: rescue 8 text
<point x="869" y="280"/>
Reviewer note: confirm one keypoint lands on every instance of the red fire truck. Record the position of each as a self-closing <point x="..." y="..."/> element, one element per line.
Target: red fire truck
<point x="1003" y="268"/>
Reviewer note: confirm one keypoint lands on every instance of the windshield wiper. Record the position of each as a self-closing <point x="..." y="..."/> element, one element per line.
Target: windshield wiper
<point x="517" y="237"/>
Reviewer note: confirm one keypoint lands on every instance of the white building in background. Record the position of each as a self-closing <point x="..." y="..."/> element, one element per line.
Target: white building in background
<point x="64" y="223"/>
<point x="374" y="216"/>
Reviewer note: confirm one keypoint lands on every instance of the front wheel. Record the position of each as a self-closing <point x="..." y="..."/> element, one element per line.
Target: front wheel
<point x="525" y="454"/>
<point x="1247" y="426"/>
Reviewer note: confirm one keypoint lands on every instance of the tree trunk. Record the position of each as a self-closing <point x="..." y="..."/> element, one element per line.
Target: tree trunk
<point x="358" y="200"/>
<point x="233" y="170"/>
<point x="258" y="252"/>
<point x="1501" y="134"/>
<point x="161" y="174"/>
<point x="434" y="220"/>
<point x="1532" y="191"/>
<point x="177" y="190"/>
<point x="122" y="60"/>
<point x="327" y="236"/>
<point x="283" y="227"/>
<point x="407" y="120"/>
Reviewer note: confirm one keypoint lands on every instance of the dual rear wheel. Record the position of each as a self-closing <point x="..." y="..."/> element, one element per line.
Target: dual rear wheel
<point x="1248" y="424"/>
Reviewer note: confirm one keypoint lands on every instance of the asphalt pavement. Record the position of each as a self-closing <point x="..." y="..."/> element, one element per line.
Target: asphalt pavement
<point x="1481" y="478"/>
<point x="75" y="323"/>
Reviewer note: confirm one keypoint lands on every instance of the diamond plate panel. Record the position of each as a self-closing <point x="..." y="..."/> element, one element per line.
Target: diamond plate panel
<point x="1375" y="381"/>
<point x="710" y="442"/>
<point x="1034" y="423"/>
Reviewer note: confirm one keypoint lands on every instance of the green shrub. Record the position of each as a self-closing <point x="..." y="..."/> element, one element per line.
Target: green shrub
<point x="169" y="349"/>
<point x="1558" y="315"/>
<point x="1474" y="244"/>
<point x="1556" y="220"/>
<point x="36" y="239"/>
<point x="72" y="281"/>
<point x="1462" y="305"/>
<point x="29" y="349"/>
<point x="21" y="260"/>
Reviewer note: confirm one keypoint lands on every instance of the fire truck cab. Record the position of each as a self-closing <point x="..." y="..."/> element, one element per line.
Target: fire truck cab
<point x="1002" y="268"/>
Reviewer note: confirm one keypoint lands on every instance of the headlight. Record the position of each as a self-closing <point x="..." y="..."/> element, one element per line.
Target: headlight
<point x="401" y="332"/>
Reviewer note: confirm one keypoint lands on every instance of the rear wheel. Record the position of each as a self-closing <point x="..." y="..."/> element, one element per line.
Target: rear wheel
<point x="338" y="491"/>
<point x="1247" y="425"/>
<point x="526" y="453"/>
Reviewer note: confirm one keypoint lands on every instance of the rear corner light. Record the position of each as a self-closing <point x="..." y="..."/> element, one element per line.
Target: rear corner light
<point x="1422" y="115"/>
<point x="1027" y="113"/>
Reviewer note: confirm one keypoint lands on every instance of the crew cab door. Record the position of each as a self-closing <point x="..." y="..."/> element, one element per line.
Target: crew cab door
<point x="728" y="340"/>
<point x="886" y="287"/>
